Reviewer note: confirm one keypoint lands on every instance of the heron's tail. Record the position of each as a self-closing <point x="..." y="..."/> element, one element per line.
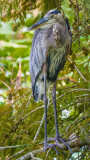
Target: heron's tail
<point x="37" y="92"/>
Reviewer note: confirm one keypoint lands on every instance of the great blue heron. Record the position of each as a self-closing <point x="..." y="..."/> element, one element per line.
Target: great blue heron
<point x="50" y="47"/>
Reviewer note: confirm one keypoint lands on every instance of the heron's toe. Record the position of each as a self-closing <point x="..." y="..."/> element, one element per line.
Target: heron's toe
<point x="47" y="146"/>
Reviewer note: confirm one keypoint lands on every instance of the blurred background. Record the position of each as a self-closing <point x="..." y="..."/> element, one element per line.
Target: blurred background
<point x="21" y="119"/>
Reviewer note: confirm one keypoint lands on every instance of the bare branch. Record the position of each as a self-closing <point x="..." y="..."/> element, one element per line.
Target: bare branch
<point x="28" y="101"/>
<point x="32" y="112"/>
<point x="78" y="70"/>
<point x="9" y="147"/>
<point x="79" y="101"/>
<point x="30" y="154"/>
<point x="77" y="5"/>
<point x="78" y="120"/>
<point x="79" y="89"/>
<point x="5" y="84"/>
<point x="16" y="154"/>
<point x="19" y="98"/>
<point x="73" y="144"/>
<point x="37" y="133"/>
<point x="72" y="2"/>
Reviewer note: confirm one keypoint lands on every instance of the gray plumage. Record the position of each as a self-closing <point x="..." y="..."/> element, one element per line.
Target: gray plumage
<point x="50" y="45"/>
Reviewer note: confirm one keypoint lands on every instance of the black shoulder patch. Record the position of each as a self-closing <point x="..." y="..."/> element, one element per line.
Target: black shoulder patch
<point x="67" y="22"/>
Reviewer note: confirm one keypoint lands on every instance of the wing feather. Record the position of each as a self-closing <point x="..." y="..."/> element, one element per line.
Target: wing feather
<point x="43" y="42"/>
<point x="37" y="56"/>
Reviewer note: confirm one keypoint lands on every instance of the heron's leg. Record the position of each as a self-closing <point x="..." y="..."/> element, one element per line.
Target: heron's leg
<point x="45" y="106"/>
<point x="46" y="144"/>
<point x="55" y="109"/>
<point x="58" y="138"/>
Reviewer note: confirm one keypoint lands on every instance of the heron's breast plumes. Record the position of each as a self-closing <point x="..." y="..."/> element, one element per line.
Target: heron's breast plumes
<point x="55" y="61"/>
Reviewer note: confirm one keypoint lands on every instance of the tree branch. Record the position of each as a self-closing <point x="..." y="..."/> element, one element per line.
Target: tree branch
<point x="78" y="70"/>
<point x="73" y="144"/>
<point x="16" y="146"/>
<point x="16" y="154"/>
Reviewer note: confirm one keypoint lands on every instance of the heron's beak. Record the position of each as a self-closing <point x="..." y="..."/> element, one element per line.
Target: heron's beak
<point x="39" y="23"/>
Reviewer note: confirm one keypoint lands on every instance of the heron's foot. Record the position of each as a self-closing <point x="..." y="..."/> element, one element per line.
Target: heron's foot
<point x="53" y="145"/>
<point x="63" y="141"/>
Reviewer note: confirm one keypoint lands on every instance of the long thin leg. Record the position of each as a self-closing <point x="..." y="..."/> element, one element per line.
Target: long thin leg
<point x="56" y="122"/>
<point x="45" y="106"/>
<point x="55" y="109"/>
<point x="57" y="138"/>
<point x="46" y="145"/>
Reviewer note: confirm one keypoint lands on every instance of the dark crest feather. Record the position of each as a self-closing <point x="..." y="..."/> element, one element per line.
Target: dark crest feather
<point x="55" y="12"/>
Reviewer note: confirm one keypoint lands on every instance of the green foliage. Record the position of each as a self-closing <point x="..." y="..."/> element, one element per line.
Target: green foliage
<point x="20" y="116"/>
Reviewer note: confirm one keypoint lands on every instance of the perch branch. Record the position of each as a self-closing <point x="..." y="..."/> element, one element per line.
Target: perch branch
<point x="73" y="144"/>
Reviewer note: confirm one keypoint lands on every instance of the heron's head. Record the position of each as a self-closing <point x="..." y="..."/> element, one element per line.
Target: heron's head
<point x="49" y="19"/>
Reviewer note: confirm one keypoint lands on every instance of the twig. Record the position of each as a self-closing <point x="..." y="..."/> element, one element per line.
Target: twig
<point x="16" y="146"/>
<point x="22" y="96"/>
<point x="35" y="137"/>
<point x="28" y="100"/>
<point x="80" y="73"/>
<point x="72" y="2"/>
<point x="79" y="89"/>
<point x="15" y="154"/>
<point x="5" y="84"/>
<point x="30" y="154"/>
<point x="32" y="112"/>
<point x="67" y="78"/>
<point x="77" y="121"/>
<point x="71" y="86"/>
<point x="78" y="21"/>
<point x="6" y="113"/>
<point x="83" y="95"/>
<point x="17" y="122"/>
<point x="19" y="98"/>
<point x="74" y="128"/>
<point x="47" y="153"/>
<point x="78" y="70"/>
<point x="79" y="101"/>
<point x="21" y="89"/>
